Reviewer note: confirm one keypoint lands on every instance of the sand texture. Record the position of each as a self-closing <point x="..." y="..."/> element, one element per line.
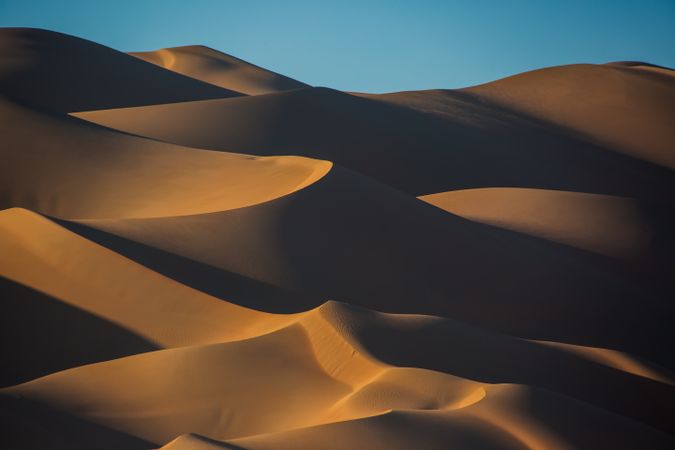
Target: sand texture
<point x="197" y="253"/>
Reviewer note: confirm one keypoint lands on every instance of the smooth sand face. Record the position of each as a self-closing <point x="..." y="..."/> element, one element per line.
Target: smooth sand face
<point x="197" y="253"/>
<point x="625" y="108"/>
<point x="217" y="68"/>
<point x="604" y="224"/>
<point x="79" y="171"/>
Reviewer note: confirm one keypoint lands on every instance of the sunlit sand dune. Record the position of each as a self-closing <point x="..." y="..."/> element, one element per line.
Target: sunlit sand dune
<point x="197" y="253"/>
<point x="217" y="68"/>
<point x="626" y="107"/>
<point x="609" y="225"/>
<point x="80" y="171"/>
<point x="73" y="274"/>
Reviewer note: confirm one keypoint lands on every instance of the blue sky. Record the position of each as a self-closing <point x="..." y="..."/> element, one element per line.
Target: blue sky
<point x="375" y="46"/>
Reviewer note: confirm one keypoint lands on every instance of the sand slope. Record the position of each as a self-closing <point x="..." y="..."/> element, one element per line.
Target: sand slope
<point x="326" y="373"/>
<point x="628" y="107"/>
<point x="82" y="171"/>
<point x="432" y="141"/>
<point x="605" y="224"/>
<point x="198" y="253"/>
<point x="217" y="68"/>
<point x="350" y="239"/>
<point x="64" y="73"/>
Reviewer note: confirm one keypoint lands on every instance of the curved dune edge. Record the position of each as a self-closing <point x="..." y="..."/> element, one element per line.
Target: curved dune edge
<point x="292" y="383"/>
<point x="214" y="67"/>
<point x="604" y="224"/>
<point x="43" y="255"/>
<point x="510" y="417"/>
<point x="71" y="169"/>
<point x="333" y="362"/>
<point x="217" y="402"/>
<point x="432" y="141"/>
<point x="488" y="416"/>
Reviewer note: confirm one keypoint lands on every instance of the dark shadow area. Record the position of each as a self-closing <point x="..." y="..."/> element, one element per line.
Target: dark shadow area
<point x="28" y="425"/>
<point x="608" y="430"/>
<point x="391" y="253"/>
<point x="347" y="238"/>
<point x="211" y="280"/>
<point x="41" y="335"/>
<point x="659" y="259"/>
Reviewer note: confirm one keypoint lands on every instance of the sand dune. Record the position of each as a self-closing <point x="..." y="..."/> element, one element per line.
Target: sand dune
<point x="496" y="424"/>
<point x="217" y="68"/>
<point x="123" y="176"/>
<point x="71" y="272"/>
<point x="388" y="248"/>
<point x="625" y="107"/>
<point x="64" y="73"/>
<point x="323" y="374"/>
<point x="613" y="226"/>
<point x="198" y="253"/>
<point x="432" y="141"/>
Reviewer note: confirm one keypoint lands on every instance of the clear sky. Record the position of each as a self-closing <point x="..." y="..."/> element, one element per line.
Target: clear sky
<point x="375" y="46"/>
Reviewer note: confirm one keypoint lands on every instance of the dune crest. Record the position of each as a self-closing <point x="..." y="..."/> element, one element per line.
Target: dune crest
<point x="197" y="253"/>
<point x="214" y="67"/>
<point x="608" y="225"/>
<point x="624" y="107"/>
<point x="119" y="176"/>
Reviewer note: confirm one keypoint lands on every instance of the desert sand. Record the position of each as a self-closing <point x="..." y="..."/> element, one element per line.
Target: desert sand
<point x="198" y="253"/>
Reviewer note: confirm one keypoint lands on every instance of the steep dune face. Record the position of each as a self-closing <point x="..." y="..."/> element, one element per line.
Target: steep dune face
<point x="218" y="68"/>
<point x="161" y="286"/>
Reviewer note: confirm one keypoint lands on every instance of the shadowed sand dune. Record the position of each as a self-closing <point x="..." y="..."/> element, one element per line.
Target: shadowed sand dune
<point x="198" y="253"/>
<point x="63" y="73"/>
<point x="54" y="347"/>
<point x="30" y="425"/>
